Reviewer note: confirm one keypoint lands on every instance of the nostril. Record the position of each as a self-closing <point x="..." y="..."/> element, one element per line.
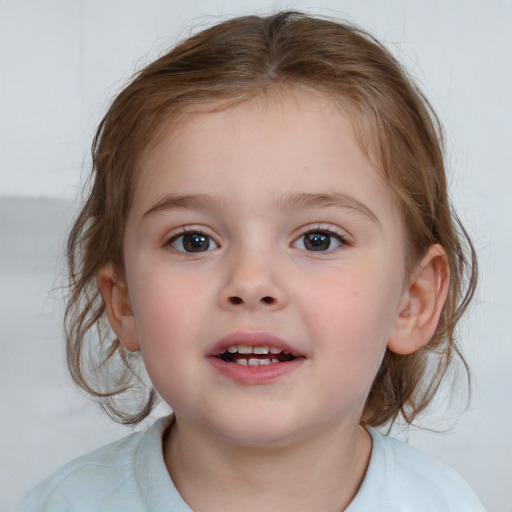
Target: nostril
<point x="238" y="300"/>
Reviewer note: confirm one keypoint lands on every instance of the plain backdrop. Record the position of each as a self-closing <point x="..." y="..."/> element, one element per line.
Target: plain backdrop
<point x="62" y="61"/>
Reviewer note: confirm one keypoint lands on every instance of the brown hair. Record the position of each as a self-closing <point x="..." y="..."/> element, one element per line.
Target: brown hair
<point x="231" y="62"/>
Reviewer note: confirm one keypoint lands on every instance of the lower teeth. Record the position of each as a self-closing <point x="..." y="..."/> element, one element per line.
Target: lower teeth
<point x="243" y="360"/>
<point x="255" y="362"/>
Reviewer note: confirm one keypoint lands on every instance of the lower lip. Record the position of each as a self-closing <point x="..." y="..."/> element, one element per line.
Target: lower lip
<point x="261" y="374"/>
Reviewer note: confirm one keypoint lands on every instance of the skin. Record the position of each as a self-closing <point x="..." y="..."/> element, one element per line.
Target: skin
<point x="337" y="308"/>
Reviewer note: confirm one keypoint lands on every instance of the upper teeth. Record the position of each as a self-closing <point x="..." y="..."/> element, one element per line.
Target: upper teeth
<point x="247" y="349"/>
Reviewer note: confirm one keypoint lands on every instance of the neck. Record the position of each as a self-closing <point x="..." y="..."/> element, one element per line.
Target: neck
<point x="320" y="473"/>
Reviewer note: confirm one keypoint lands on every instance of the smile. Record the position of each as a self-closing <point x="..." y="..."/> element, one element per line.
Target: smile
<point x="254" y="356"/>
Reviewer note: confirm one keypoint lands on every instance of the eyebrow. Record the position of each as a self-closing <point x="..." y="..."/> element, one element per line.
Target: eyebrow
<point x="184" y="202"/>
<point x="285" y="203"/>
<point x="338" y="200"/>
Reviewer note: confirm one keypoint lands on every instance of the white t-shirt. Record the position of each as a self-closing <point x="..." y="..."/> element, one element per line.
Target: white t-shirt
<point x="130" y="476"/>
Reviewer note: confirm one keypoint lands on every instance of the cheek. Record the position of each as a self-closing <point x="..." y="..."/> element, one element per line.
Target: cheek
<point x="354" y="315"/>
<point x="160" y="295"/>
<point x="164" y="309"/>
<point x="165" y="325"/>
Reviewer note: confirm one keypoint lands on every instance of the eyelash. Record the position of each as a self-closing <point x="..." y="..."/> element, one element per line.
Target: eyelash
<point x="190" y="231"/>
<point x="319" y="230"/>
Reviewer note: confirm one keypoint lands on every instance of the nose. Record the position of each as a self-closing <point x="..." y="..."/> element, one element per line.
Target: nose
<point x="253" y="283"/>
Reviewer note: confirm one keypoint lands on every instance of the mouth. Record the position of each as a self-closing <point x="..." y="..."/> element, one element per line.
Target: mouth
<point x="257" y="355"/>
<point x="254" y="357"/>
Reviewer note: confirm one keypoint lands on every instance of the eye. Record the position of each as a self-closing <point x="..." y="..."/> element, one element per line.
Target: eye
<point x="318" y="240"/>
<point x="192" y="242"/>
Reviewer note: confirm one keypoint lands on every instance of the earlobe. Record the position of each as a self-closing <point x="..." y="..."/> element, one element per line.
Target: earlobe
<point x="422" y="303"/>
<point x="117" y="305"/>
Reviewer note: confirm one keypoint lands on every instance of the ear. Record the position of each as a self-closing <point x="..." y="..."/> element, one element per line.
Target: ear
<point x="117" y="303"/>
<point x="422" y="303"/>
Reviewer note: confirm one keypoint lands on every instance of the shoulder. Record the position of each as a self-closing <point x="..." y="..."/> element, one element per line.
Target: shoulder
<point x="104" y="479"/>
<point x="408" y="479"/>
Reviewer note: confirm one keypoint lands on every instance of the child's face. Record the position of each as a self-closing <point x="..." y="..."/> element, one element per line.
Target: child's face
<point x="263" y="225"/>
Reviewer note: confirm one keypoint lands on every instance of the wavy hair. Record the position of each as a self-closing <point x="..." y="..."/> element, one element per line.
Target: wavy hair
<point x="229" y="63"/>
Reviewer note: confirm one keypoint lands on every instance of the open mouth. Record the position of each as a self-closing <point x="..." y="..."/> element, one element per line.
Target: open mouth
<point x="254" y="357"/>
<point x="247" y="355"/>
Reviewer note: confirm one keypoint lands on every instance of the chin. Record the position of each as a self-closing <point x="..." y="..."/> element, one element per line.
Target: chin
<point x="257" y="430"/>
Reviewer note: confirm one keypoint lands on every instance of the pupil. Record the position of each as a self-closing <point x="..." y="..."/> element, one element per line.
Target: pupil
<point x="317" y="241"/>
<point x="195" y="242"/>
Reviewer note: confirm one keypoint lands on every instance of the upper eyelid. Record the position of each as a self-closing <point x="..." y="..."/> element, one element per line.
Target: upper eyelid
<point x="327" y="227"/>
<point x="170" y="241"/>
<point x="174" y="234"/>
<point x="336" y="233"/>
<point x="190" y="228"/>
<point x="321" y="226"/>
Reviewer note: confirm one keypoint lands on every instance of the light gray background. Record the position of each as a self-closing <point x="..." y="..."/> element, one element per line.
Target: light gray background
<point x="60" y="63"/>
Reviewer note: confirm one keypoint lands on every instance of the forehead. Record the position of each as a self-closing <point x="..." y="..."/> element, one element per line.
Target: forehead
<point x="291" y="103"/>
<point x="274" y="143"/>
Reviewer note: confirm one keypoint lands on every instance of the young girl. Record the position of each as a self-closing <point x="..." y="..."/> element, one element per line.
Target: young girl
<point x="268" y="229"/>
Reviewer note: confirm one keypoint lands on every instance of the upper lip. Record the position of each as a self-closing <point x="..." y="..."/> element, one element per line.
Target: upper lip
<point x="253" y="339"/>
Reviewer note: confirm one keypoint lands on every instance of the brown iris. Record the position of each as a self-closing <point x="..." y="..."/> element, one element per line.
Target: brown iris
<point x="317" y="241"/>
<point x="196" y="242"/>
